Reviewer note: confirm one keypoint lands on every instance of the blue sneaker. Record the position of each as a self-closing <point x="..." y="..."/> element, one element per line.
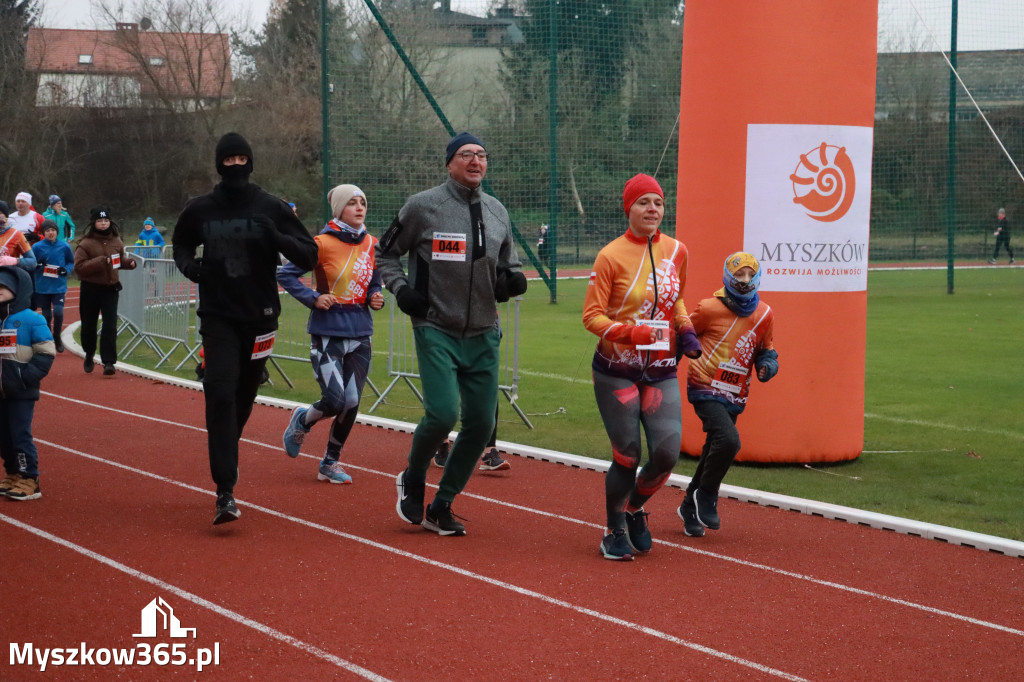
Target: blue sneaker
<point x="295" y="433"/>
<point x="332" y="471"/>
<point x="616" y="547"/>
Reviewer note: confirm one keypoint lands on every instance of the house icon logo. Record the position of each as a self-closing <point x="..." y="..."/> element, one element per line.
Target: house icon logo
<point x="158" y="615"/>
<point x="824" y="182"/>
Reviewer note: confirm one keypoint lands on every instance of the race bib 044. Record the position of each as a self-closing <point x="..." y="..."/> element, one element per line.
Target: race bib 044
<point x="448" y="246"/>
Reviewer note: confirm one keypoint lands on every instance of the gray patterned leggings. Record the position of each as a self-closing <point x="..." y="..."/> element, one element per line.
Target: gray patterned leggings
<point x="625" y="406"/>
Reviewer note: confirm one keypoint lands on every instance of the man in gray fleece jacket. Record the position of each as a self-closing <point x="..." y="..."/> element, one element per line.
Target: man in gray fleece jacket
<point x="462" y="260"/>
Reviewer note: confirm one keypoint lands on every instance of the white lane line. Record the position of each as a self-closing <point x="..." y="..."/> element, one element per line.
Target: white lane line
<point x="199" y="601"/>
<point x="687" y="548"/>
<point x="526" y="592"/>
<point x="1002" y="433"/>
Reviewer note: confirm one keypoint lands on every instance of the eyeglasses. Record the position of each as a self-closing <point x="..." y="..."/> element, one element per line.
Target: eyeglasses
<point x="468" y="156"/>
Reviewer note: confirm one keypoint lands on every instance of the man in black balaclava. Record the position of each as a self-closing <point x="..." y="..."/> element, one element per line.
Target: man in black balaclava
<point x="241" y="229"/>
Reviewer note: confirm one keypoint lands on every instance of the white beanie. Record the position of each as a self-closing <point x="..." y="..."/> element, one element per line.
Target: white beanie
<point x="24" y="195"/>
<point x="339" y="197"/>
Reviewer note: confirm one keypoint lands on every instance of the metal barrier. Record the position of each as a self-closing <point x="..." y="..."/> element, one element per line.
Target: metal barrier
<point x="159" y="305"/>
<point x="154" y="305"/>
<point x="403" y="365"/>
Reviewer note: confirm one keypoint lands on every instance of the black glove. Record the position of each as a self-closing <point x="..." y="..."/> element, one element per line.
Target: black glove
<point x="412" y="302"/>
<point x="509" y="284"/>
<point x="40" y="262"/>
<point x="62" y="271"/>
<point x="193" y="269"/>
<point x="266" y="228"/>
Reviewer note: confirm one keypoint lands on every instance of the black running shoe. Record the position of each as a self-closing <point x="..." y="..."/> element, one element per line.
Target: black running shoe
<point x="87" y="365"/>
<point x="616" y="547"/>
<point x="707" y="509"/>
<point x="410" y="500"/>
<point x="688" y="513"/>
<point x="441" y="455"/>
<point x="637" y="535"/>
<point x="440" y="519"/>
<point x="57" y="343"/>
<point x="108" y="370"/>
<point x="226" y="509"/>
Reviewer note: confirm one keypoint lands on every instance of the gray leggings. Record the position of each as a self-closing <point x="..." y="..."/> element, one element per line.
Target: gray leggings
<point x="625" y="405"/>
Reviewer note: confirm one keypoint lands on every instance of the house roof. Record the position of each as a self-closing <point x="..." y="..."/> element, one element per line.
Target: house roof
<point x="193" y="64"/>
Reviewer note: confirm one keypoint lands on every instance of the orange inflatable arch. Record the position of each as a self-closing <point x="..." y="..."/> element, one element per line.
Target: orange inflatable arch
<point x="776" y="119"/>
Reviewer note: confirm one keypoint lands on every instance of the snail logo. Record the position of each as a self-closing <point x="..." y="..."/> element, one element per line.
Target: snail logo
<point x="824" y="182"/>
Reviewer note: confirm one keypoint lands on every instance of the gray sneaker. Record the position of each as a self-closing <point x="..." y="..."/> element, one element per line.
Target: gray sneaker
<point x="492" y="461"/>
<point x="333" y="472"/>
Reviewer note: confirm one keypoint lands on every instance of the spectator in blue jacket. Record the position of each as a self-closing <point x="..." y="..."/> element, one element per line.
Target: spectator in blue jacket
<point x="151" y="241"/>
<point x="58" y="214"/>
<point x="54" y="261"/>
<point x="26" y="355"/>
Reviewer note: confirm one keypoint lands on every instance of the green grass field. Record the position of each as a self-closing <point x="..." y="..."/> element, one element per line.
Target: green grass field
<point x="944" y="415"/>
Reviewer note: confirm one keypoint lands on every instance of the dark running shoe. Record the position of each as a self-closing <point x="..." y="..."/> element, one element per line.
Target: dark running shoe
<point x="616" y="547"/>
<point x="87" y="365"/>
<point x="226" y="509"/>
<point x="637" y="535"/>
<point x="440" y="519"/>
<point x="707" y="509"/>
<point x="492" y="461"/>
<point x="688" y="513"/>
<point x="57" y="343"/>
<point x="108" y="370"/>
<point x="410" y="500"/>
<point x="441" y="455"/>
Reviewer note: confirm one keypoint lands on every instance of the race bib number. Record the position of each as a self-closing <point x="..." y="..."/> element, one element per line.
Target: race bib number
<point x="8" y="341"/>
<point x="448" y="247"/>
<point x="51" y="271"/>
<point x="115" y="260"/>
<point x="730" y="377"/>
<point x="264" y="344"/>
<point x="662" y="328"/>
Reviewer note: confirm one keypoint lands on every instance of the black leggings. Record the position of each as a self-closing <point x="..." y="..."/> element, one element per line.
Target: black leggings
<point x="625" y="406"/>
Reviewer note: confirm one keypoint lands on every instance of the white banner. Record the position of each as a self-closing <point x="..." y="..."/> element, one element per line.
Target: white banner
<point x="808" y="206"/>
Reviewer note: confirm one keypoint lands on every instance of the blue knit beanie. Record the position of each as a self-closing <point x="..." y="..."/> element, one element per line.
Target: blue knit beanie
<point x="457" y="143"/>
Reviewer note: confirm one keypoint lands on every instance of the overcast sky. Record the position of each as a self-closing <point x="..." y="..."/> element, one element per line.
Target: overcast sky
<point x="983" y="24"/>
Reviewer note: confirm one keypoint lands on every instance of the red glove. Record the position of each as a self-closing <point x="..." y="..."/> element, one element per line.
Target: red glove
<point x="642" y="335"/>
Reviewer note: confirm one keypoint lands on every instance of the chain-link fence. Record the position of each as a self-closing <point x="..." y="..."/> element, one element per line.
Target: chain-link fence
<point x="572" y="97"/>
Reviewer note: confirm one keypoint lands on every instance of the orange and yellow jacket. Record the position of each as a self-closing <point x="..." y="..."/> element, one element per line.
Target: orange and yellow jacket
<point x="347" y="268"/>
<point x="729" y="346"/>
<point x="635" y="279"/>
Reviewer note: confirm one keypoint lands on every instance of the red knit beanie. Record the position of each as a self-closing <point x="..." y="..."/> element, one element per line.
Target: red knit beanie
<point x="636" y="187"/>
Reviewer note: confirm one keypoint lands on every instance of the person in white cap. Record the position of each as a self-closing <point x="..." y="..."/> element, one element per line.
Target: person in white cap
<point x="345" y="287"/>
<point x="25" y="219"/>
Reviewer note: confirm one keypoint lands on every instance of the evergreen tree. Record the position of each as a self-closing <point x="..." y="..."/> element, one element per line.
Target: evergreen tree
<point x="16" y="17"/>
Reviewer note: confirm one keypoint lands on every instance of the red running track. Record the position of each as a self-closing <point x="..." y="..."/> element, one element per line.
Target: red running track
<point x="318" y="580"/>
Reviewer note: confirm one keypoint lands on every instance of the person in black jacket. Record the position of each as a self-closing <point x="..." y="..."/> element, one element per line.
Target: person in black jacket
<point x="1002" y="234"/>
<point x="241" y="229"/>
